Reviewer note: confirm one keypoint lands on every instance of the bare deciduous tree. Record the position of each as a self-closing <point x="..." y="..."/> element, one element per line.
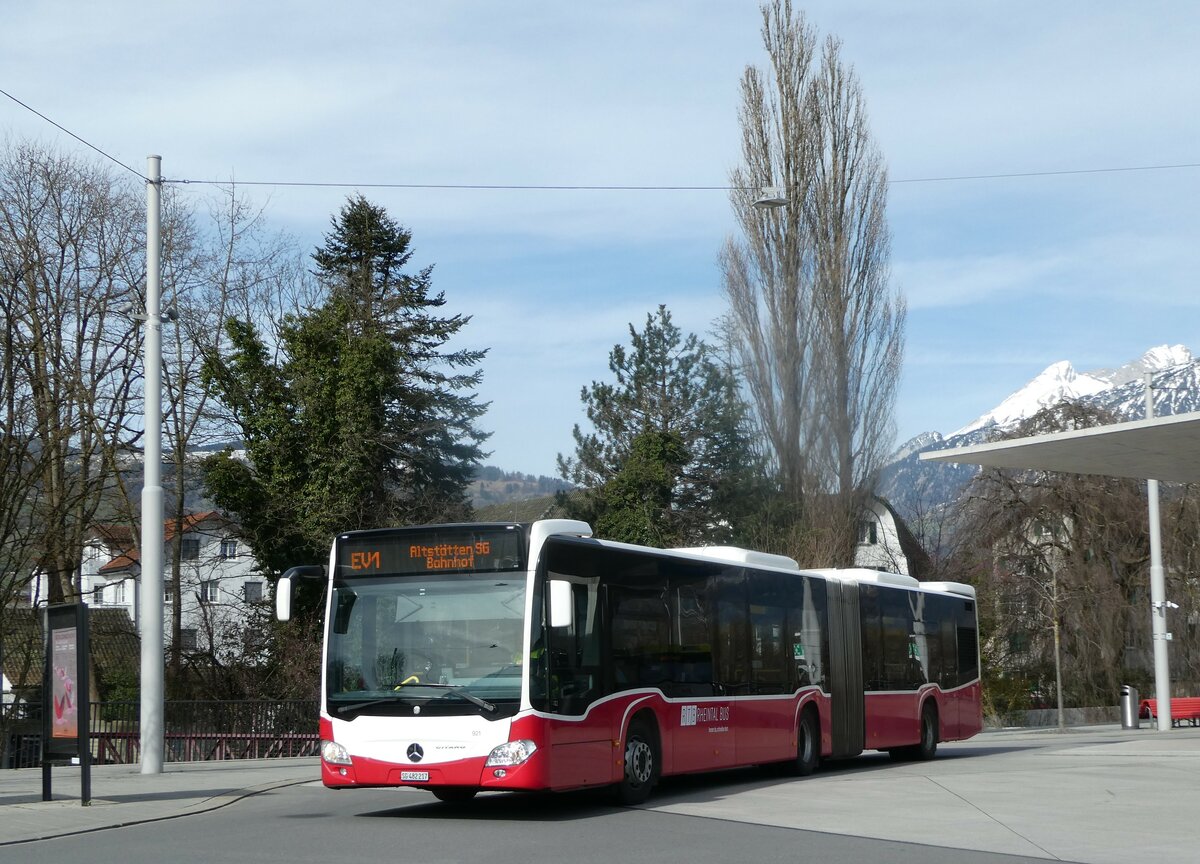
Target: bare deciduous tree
<point x="209" y="271"/>
<point x="1067" y="557"/>
<point x="71" y="240"/>
<point x="816" y="326"/>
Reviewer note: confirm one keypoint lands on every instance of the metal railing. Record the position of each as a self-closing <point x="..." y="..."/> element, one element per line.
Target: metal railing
<point x="194" y="731"/>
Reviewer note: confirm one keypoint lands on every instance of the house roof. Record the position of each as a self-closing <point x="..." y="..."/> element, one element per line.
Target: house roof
<point x="131" y="556"/>
<point x="113" y="638"/>
<point x="920" y="565"/>
<point x="120" y="536"/>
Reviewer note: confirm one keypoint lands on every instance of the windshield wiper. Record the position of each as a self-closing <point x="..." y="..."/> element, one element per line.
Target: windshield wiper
<point x="371" y="703"/>
<point x="456" y="689"/>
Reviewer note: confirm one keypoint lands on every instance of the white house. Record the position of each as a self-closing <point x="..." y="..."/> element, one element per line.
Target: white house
<point x="216" y="572"/>
<point x="886" y="543"/>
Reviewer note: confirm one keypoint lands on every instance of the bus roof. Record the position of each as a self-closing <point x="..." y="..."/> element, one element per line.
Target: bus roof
<point x="862" y="574"/>
<point x="879" y="577"/>
<point x="738" y="555"/>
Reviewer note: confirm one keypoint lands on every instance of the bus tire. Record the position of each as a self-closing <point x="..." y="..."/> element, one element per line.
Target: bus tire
<point x="808" y="745"/>
<point x="640" y="765"/>
<point x="926" y="749"/>
<point x="454" y="794"/>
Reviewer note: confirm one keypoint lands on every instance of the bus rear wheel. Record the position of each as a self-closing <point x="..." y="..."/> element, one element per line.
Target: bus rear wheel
<point x="926" y="748"/>
<point x="641" y="764"/>
<point x="808" y="746"/>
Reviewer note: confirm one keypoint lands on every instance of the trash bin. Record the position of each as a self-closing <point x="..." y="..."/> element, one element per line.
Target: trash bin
<point x="1129" y="707"/>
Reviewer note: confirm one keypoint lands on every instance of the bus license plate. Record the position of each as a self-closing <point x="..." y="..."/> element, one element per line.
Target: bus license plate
<point x="414" y="775"/>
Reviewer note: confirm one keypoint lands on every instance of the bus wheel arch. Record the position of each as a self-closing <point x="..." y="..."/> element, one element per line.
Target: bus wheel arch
<point x="641" y="759"/>
<point x="926" y="747"/>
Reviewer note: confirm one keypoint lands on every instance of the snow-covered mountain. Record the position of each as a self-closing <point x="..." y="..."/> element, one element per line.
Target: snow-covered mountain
<point x="1058" y="383"/>
<point x="915" y="486"/>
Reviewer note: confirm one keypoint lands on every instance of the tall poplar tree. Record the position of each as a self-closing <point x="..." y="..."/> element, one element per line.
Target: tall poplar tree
<point x="817" y="329"/>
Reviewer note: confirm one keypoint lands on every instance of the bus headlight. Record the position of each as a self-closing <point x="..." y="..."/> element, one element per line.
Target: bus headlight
<point x="334" y="753"/>
<point x="512" y="753"/>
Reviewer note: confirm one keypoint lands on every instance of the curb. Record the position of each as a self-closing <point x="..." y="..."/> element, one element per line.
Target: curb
<point x="206" y="805"/>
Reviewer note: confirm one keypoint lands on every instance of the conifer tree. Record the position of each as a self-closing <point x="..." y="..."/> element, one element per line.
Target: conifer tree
<point x="366" y="420"/>
<point x="669" y="442"/>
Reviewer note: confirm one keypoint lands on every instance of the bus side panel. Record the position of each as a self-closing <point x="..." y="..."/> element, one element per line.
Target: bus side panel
<point x="892" y="719"/>
<point x="846" y="708"/>
<point x="965" y="706"/>
<point x="767" y="729"/>
<point x="580" y="751"/>
<point x="701" y="734"/>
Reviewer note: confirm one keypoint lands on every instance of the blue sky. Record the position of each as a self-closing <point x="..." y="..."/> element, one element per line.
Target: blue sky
<point x="1002" y="276"/>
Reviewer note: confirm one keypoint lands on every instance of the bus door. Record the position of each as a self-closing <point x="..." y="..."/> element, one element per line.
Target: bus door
<point x="697" y="704"/>
<point x="846" y="671"/>
<point x="771" y="659"/>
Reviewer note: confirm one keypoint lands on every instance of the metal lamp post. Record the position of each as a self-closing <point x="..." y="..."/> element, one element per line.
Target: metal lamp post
<point x="1158" y="594"/>
<point x="150" y="602"/>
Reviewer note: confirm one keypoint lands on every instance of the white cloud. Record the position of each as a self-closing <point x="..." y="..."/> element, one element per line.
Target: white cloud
<point x="1001" y="276"/>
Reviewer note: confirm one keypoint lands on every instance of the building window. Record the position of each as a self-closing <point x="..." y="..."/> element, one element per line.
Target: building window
<point x="189" y="548"/>
<point x="208" y="590"/>
<point x="254" y="592"/>
<point x="868" y="532"/>
<point x="228" y="548"/>
<point x="116" y="592"/>
<point x="187" y="639"/>
<point x="168" y="590"/>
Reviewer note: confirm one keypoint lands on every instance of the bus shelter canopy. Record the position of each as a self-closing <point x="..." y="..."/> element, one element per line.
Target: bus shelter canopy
<point x="1161" y="448"/>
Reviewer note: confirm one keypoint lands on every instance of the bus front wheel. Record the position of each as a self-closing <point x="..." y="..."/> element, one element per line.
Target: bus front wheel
<point x="641" y="764"/>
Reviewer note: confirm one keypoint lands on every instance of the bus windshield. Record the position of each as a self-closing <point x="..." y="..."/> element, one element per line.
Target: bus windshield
<point x="443" y="645"/>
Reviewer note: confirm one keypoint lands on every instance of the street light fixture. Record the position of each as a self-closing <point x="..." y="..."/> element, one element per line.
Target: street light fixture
<point x="772" y="198"/>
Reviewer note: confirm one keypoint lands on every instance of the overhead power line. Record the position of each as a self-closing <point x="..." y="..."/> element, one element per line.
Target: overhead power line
<point x="580" y="187"/>
<point x="1049" y="173"/>
<point x="67" y="131"/>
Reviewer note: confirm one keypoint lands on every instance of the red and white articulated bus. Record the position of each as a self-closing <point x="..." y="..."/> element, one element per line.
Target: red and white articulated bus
<point x="461" y="658"/>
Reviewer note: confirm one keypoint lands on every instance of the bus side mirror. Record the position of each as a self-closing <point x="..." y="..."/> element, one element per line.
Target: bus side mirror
<point x="283" y="599"/>
<point x="560" y="603"/>
<point x="285" y="587"/>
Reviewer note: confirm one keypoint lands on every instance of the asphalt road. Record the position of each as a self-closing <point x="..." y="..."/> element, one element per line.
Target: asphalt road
<point x="308" y="823"/>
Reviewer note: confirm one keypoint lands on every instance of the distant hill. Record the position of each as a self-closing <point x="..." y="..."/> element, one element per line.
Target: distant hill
<point x="494" y="486"/>
<point x="525" y="510"/>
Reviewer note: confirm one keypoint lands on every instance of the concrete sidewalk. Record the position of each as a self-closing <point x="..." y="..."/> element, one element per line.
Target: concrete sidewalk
<point x="1096" y="794"/>
<point x="122" y="795"/>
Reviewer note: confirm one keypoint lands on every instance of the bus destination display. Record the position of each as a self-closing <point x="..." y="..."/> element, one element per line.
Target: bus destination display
<point x="441" y="551"/>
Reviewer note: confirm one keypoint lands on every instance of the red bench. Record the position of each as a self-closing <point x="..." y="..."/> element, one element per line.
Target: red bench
<point x="1183" y="709"/>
